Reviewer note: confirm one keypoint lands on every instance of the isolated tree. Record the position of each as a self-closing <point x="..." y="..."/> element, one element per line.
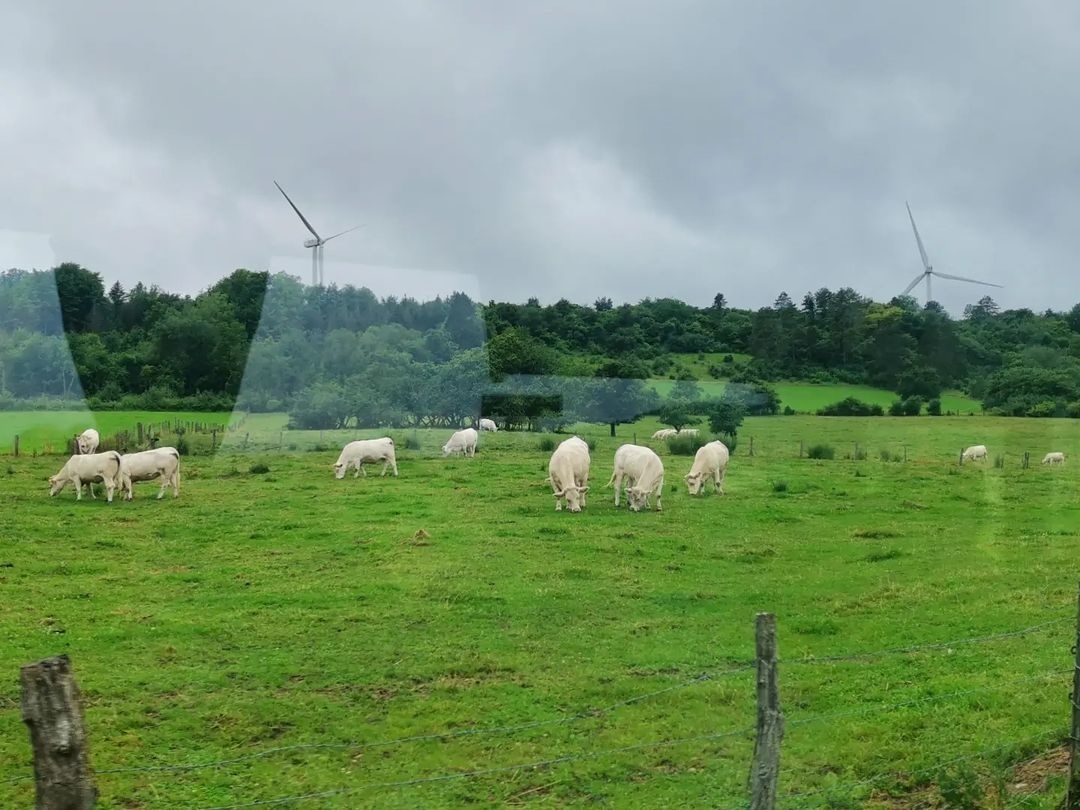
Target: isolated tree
<point x="677" y="414"/>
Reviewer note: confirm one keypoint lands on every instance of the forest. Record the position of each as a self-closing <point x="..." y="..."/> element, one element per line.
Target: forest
<point x="337" y="356"/>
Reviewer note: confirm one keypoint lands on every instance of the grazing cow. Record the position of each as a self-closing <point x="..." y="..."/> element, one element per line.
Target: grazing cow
<point x="161" y="462"/>
<point x="87" y="469"/>
<point x="976" y="452"/>
<point x="568" y="473"/>
<point x="688" y="432"/>
<point x="488" y="424"/>
<point x="88" y="441"/>
<point x="463" y="441"/>
<point x="643" y="473"/>
<point x="665" y="433"/>
<point x="1054" y="458"/>
<point x="356" y="454"/>
<point x="710" y="461"/>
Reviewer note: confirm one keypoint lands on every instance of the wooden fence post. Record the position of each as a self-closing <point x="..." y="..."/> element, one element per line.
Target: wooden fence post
<point x="53" y="714"/>
<point x="1072" y="795"/>
<point x="802" y="448"/>
<point x="213" y="440"/>
<point x="16" y="445"/>
<point x="961" y="458"/>
<point x="765" y="769"/>
<point x="905" y="454"/>
<point x="1027" y="459"/>
<point x="139" y="430"/>
<point x="751" y="445"/>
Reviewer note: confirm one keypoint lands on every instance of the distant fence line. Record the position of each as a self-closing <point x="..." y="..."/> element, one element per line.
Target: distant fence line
<point x="50" y="683"/>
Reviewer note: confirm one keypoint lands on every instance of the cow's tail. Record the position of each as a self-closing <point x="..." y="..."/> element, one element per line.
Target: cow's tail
<point x="611" y="482"/>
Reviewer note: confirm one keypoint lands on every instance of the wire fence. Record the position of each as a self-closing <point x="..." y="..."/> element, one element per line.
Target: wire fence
<point x="806" y="798"/>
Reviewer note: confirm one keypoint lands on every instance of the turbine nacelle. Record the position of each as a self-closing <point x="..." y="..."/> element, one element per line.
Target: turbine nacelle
<point x="311" y="243"/>
<point x="315" y="244"/>
<point x="928" y="269"/>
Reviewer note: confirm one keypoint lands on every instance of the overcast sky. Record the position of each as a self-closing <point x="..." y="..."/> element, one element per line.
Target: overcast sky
<point x="556" y="149"/>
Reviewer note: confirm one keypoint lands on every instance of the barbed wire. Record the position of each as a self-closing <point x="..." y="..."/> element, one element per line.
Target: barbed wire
<point x="937" y="645"/>
<point x="435" y="736"/>
<point x="422" y="780"/>
<point x="875" y="708"/>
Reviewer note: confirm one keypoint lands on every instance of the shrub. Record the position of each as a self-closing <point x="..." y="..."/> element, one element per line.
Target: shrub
<point x="933" y="407"/>
<point x="259" y="468"/>
<point x="896" y="408"/>
<point x="686" y="445"/>
<point x="412" y="441"/>
<point x="999" y="462"/>
<point x="789" y="411"/>
<point x="885" y="455"/>
<point x="821" y="451"/>
<point x="182" y="446"/>
<point x="547" y="444"/>
<point x="851" y="407"/>
<point x="779" y="486"/>
<point x="592" y="445"/>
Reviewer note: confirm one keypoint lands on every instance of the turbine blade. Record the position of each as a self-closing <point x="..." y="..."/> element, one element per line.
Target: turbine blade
<point x="297" y="210"/>
<point x="961" y="278"/>
<point x="922" y="250"/>
<point x="336" y="235"/>
<point x="911" y="286"/>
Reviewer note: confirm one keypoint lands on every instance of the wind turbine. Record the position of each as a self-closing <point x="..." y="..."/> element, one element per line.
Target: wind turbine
<point x="928" y="269"/>
<point x="316" y="244"/>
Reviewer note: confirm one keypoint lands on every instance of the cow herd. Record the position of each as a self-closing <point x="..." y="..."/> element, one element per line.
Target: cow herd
<point x="638" y="470"/>
<point x="116" y="471"/>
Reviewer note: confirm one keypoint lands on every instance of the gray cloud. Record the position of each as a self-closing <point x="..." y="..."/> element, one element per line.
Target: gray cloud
<point x="561" y="149"/>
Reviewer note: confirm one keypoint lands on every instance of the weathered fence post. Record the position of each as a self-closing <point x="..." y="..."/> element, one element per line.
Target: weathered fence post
<point x="802" y="448"/>
<point x="1072" y="794"/>
<point x="961" y="458"/>
<point x="213" y="440"/>
<point x="765" y="769"/>
<point x="16" y="445"/>
<point x="905" y="454"/>
<point x="751" y="445"/>
<point x="53" y="714"/>
<point x="1027" y="459"/>
<point x="139" y="431"/>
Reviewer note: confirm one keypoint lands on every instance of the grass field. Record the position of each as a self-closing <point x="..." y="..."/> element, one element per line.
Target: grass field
<point x="808" y="398"/>
<point x="260" y="612"/>
<point x="47" y="431"/>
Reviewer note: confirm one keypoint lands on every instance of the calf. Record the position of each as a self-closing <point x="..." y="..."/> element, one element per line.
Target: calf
<point x="488" y="424"/>
<point x="355" y="454"/>
<point x="88" y="469"/>
<point x="568" y="473"/>
<point x="710" y="461"/>
<point x="1054" y="458"/>
<point x="161" y="462"/>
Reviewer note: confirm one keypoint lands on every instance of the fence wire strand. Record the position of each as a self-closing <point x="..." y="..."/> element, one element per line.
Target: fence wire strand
<point x="544" y="763"/>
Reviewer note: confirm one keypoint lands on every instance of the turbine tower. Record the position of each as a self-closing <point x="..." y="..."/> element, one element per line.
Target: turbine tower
<point x="317" y="275"/>
<point x="928" y="269"/>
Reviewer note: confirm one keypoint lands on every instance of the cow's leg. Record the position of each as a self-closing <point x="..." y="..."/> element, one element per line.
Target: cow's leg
<point x="78" y="489"/>
<point x="618" y="486"/>
<point x="110" y="487"/>
<point x="659" y="506"/>
<point x="164" y="486"/>
<point x="720" y="480"/>
<point x="393" y="462"/>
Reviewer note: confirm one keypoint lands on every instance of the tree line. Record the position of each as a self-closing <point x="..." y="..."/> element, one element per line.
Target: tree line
<point x="340" y="355"/>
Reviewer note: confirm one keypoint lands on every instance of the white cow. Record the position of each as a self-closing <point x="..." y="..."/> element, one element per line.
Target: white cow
<point x="1054" y="458"/>
<point x="665" y="433"/>
<point x="976" y="452"/>
<point x="643" y="473"/>
<point x="710" y="461"/>
<point x="88" y="441"/>
<point x="463" y="441"/>
<point x="488" y="424"/>
<point x="356" y="454"/>
<point x="161" y="462"/>
<point x="568" y="473"/>
<point x="87" y="469"/>
<point x="688" y="432"/>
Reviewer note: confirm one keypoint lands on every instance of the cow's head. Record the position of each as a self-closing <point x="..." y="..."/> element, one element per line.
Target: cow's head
<point x="639" y="498"/>
<point x="56" y="483"/>
<point x="84" y="445"/>
<point x="446" y="450"/>
<point x="693" y="482"/>
<point x="340" y="468"/>
<point x="574" y="496"/>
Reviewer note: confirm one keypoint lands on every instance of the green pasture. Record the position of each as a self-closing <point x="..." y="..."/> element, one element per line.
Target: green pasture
<point x="297" y="629"/>
<point x="699" y="365"/>
<point x="49" y="431"/>
<point x="808" y="398"/>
